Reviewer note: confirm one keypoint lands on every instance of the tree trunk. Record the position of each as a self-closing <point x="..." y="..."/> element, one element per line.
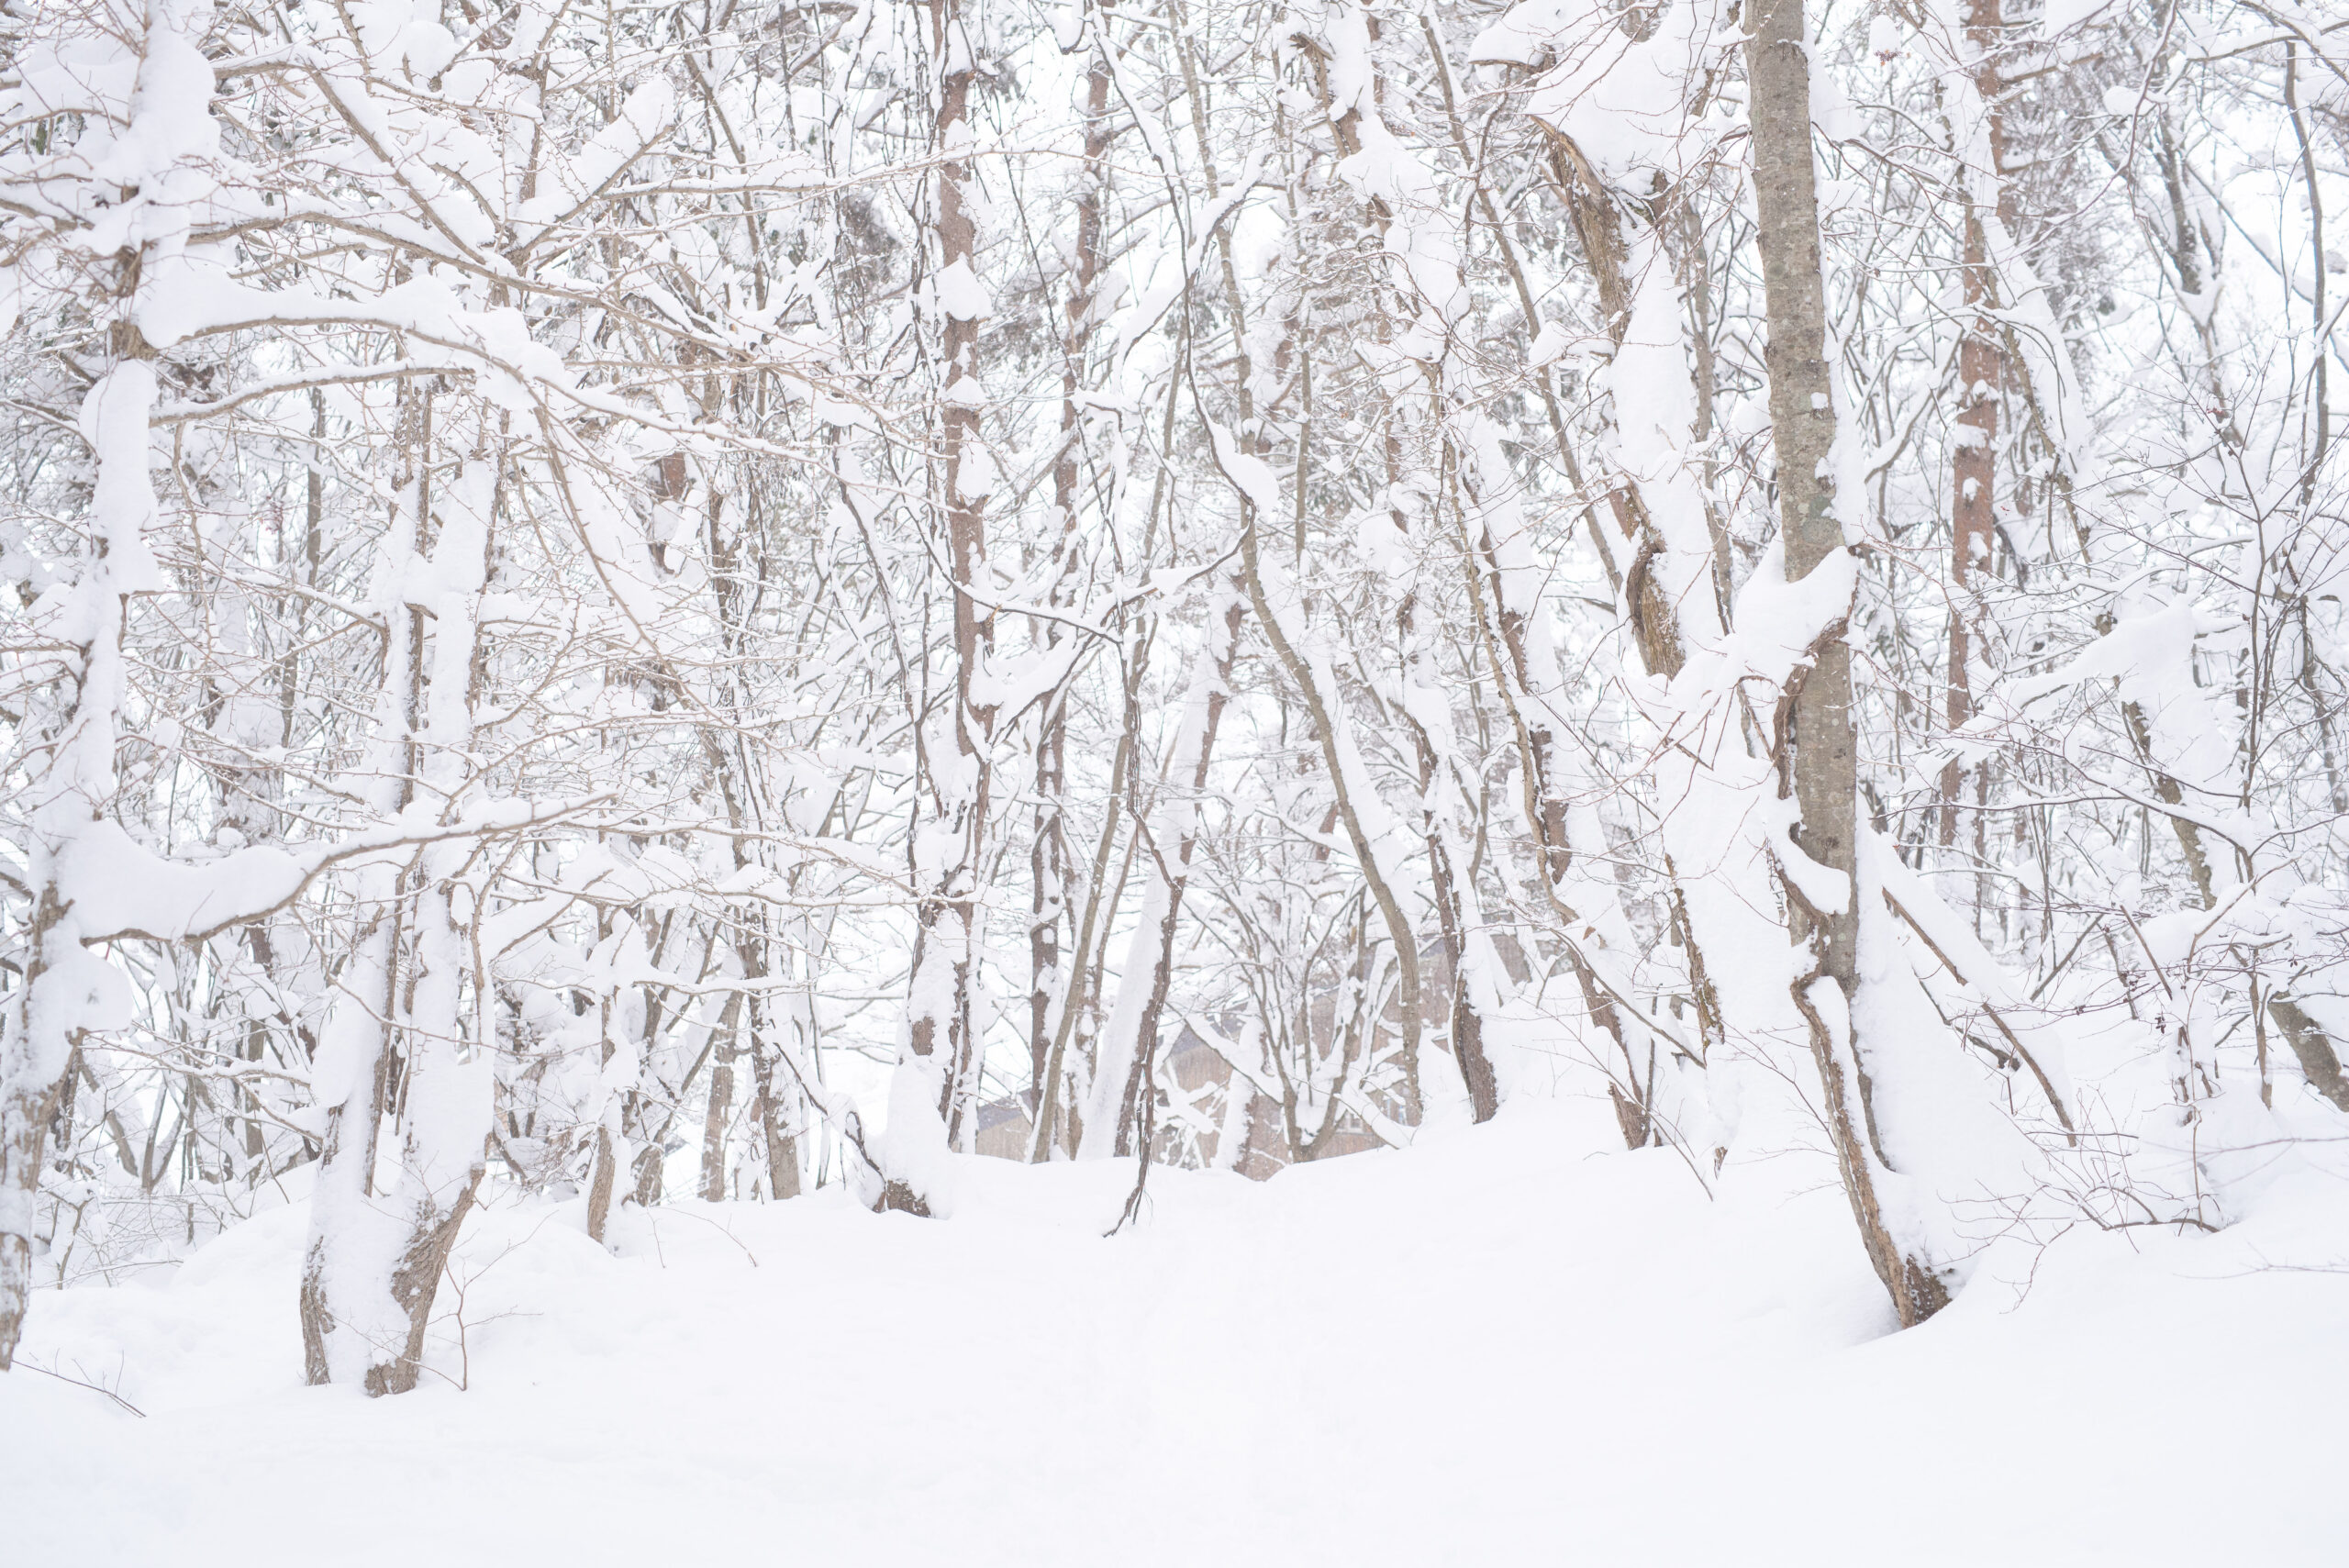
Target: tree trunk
<point x="63" y="990"/>
<point x="1048" y="856"/>
<point x="1821" y="750"/>
<point x="782" y="1144"/>
<point x="1981" y="375"/>
<point x="1123" y="1091"/>
<point x="721" y="1104"/>
<point x="937" y="1073"/>
<point x="396" y="1036"/>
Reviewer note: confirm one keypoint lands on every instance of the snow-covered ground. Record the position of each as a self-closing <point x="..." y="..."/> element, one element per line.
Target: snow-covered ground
<point x="1506" y="1346"/>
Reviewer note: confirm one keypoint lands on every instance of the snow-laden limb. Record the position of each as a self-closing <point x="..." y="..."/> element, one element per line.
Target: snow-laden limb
<point x="1622" y="95"/>
<point x="150" y="133"/>
<point x="67" y="989"/>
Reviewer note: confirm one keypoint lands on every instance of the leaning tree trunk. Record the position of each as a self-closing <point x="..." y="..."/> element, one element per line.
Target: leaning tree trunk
<point x="1663" y="518"/>
<point x="1819" y="872"/>
<point x="1118" y="1120"/>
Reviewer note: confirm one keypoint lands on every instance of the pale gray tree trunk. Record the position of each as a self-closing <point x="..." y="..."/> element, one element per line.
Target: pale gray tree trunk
<point x="1820" y="750"/>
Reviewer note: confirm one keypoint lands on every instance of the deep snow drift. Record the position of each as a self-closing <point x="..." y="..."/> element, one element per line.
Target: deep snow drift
<point x="1506" y="1346"/>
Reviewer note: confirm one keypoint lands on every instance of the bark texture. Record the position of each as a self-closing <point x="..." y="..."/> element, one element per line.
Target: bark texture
<point x="1818" y="749"/>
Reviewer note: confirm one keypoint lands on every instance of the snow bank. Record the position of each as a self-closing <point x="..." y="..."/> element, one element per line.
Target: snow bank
<point x="1510" y="1345"/>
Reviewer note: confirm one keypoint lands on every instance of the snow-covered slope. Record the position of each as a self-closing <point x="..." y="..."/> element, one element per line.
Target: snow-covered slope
<point x="1507" y="1346"/>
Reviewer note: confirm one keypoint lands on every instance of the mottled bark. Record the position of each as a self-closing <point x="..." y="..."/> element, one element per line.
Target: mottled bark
<point x="2312" y="1049"/>
<point x="1820" y="750"/>
<point x="1981" y="376"/>
<point x="949" y="855"/>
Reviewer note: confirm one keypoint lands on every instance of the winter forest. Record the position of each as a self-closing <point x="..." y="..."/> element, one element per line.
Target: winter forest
<point x="1174" y="780"/>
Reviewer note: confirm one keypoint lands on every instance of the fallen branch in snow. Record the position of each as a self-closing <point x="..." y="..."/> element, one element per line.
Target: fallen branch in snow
<point x="78" y="1382"/>
<point x="2071" y="1133"/>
